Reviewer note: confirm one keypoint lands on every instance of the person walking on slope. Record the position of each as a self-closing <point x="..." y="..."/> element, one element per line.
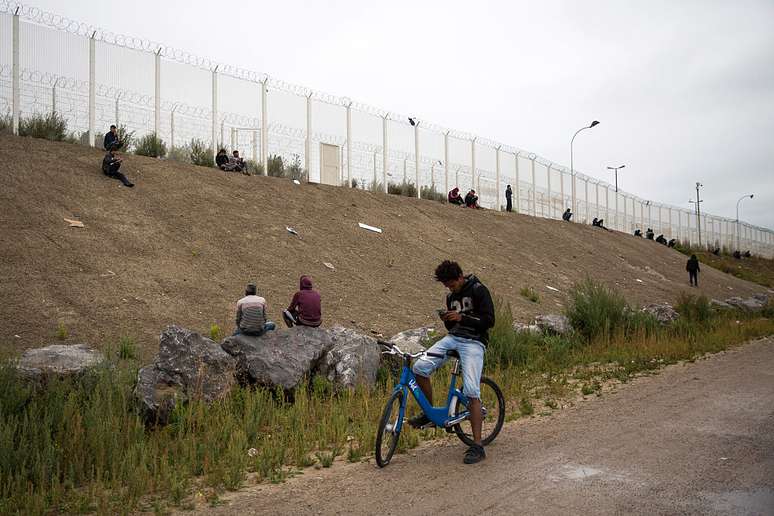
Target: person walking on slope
<point x="304" y="308"/>
<point x="693" y="270"/>
<point x="251" y="314"/>
<point x="508" y="196"/>
<point x="468" y="317"/>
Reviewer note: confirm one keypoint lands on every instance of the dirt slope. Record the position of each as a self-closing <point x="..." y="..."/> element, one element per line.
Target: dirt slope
<point x="694" y="439"/>
<point x="180" y="246"/>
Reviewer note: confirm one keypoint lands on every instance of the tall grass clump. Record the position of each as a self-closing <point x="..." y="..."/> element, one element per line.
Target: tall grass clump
<point x="693" y="308"/>
<point x="51" y="126"/>
<point x="404" y="188"/>
<point x="6" y="123"/>
<point x="180" y="153"/>
<point x="595" y="310"/>
<point x="151" y="145"/>
<point x="430" y="193"/>
<point x="201" y="153"/>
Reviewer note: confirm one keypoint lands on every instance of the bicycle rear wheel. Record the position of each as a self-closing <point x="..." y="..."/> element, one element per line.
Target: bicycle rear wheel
<point x="493" y="406"/>
<point x="387" y="434"/>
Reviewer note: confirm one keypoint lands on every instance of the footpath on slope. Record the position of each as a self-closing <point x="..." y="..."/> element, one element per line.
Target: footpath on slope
<point x="693" y="439"/>
<point x="180" y="247"/>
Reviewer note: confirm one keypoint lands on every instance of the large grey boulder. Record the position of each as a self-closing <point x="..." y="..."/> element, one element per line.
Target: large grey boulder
<point x="720" y="305"/>
<point x="286" y="356"/>
<point x="553" y="323"/>
<point x="410" y="341"/>
<point x="58" y="360"/>
<point x="282" y="357"/>
<point x="187" y="367"/>
<point x="763" y="298"/>
<point x="352" y="359"/>
<point x="662" y="312"/>
<point x="750" y="304"/>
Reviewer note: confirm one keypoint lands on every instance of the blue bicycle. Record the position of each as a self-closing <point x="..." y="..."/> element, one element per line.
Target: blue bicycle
<point x="453" y="416"/>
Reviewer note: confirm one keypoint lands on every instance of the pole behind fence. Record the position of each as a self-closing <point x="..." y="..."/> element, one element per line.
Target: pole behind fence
<point x="92" y="89"/>
<point x="518" y="190"/>
<point x="157" y="103"/>
<point x="16" y="71"/>
<point x="446" y="162"/>
<point x="214" y="112"/>
<point x="264" y="129"/>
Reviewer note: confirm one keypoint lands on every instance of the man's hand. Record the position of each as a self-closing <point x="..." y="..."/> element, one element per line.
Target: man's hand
<point x="452" y="316"/>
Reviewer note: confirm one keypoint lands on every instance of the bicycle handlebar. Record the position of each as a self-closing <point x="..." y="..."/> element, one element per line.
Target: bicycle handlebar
<point x="395" y="350"/>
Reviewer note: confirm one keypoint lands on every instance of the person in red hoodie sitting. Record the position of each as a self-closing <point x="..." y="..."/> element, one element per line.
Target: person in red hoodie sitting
<point x="304" y="309"/>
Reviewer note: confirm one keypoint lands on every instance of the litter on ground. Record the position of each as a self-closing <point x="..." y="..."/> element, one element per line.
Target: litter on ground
<point x="369" y="228"/>
<point x="291" y="230"/>
<point x="638" y="280"/>
<point x="329" y="265"/>
<point x="549" y="287"/>
<point x="74" y="223"/>
<point x="296" y="181"/>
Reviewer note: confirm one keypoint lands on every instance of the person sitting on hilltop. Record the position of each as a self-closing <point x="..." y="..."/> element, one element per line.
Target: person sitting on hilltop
<point x="237" y="162"/>
<point x="454" y="197"/>
<point x="222" y="161"/>
<point x="111" y="165"/>
<point x="747" y="254"/>
<point x="304" y="308"/>
<point x="251" y="314"/>
<point x="600" y="223"/>
<point x="672" y="242"/>
<point x="737" y="255"/>
<point x="567" y="215"/>
<point x="716" y="251"/>
<point x="111" y="139"/>
<point x="638" y="233"/>
<point x="661" y="240"/>
<point x="471" y="199"/>
<point x="649" y="234"/>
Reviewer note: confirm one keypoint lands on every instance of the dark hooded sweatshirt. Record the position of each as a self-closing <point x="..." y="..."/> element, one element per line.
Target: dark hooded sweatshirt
<point x="475" y="303"/>
<point x="306" y="304"/>
<point x="692" y="265"/>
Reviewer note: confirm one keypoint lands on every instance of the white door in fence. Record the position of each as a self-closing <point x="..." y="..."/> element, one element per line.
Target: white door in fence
<point x="329" y="164"/>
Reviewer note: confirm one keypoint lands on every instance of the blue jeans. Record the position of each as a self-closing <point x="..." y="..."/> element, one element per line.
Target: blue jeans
<point x="268" y="326"/>
<point x="471" y="359"/>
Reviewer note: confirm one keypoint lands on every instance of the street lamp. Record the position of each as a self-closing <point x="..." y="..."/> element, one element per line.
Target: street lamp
<point x="616" y="169"/>
<point x="572" y="168"/>
<point x="616" y="174"/>
<point x="698" y="202"/>
<point x="738" y="246"/>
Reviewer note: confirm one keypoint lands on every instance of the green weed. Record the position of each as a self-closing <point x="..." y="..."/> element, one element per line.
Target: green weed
<point x="529" y="293"/>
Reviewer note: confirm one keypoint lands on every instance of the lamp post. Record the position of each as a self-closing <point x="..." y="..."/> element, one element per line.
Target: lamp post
<point x="697" y="202"/>
<point x="738" y="245"/>
<point x="572" y="168"/>
<point x="616" y="169"/>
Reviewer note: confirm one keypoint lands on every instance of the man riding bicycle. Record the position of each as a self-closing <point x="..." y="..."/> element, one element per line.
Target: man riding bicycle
<point x="469" y="315"/>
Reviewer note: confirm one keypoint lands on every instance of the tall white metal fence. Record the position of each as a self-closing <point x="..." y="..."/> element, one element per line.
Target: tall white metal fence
<point x="94" y="78"/>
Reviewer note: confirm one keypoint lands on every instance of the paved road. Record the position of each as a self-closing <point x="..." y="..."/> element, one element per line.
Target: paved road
<point x="695" y="439"/>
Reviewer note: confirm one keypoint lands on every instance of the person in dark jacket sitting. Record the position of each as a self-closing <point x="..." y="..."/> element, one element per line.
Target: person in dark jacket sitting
<point x="567" y="215"/>
<point x="693" y="270"/>
<point x="649" y="234"/>
<point x="471" y="199"/>
<point x="305" y="307"/>
<point x="111" y="139"/>
<point x="222" y="160"/>
<point x="110" y="165"/>
<point x="455" y="197"/>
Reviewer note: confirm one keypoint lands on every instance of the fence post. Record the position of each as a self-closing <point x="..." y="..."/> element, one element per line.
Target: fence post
<point x="374" y="180"/>
<point x="308" y="142"/>
<point x="416" y="157"/>
<point x="92" y="89"/>
<point x="255" y="145"/>
<point x="222" y="134"/>
<point x="498" y="206"/>
<point x="550" y="204"/>
<point x="518" y="190"/>
<point x="625" y="229"/>
<point x="16" y="73"/>
<point x="157" y="106"/>
<point x="473" y="164"/>
<point x="586" y="196"/>
<point x="607" y="202"/>
<point x="264" y="128"/>
<point x="561" y="190"/>
<point x="573" y="192"/>
<point x="172" y="127"/>
<point x="596" y="198"/>
<point x="232" y="138"/>
<point x="118" y="97"/>
<point x="669" y="221"/>
<point x="384" y="151"/>
<point x="445" y="162"/>
<point x="534" y="187"/>
<point x="679" y="225"/>
<point x="53" y="96"/>
<point x="215" y="112"/>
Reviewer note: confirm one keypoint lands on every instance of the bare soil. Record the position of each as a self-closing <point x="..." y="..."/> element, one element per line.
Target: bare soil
<point x="693" y="439"/>
<point x="180" y="247"/>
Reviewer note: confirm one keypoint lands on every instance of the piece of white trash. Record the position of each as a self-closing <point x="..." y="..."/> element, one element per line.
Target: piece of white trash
<point x="291" y="230"/>
<point x="329" y="265"/>
<point x="296" y="181"/>
<point x="549" y="287"/>
<point x="369" y="228"/>
<point x="638" y="280"/>
<point x="74" y="223"/>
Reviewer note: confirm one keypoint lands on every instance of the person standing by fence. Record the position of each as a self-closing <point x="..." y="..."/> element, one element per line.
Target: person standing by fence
<point x="508" y="197"/>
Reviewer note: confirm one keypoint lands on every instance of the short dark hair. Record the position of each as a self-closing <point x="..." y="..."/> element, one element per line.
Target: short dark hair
<point x="113" y="127"/>
<point x="250" y="289"/>
<point x="447" y="271"/>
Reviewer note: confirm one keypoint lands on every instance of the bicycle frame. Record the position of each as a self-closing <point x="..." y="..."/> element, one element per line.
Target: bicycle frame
<point x="441" y="416"/>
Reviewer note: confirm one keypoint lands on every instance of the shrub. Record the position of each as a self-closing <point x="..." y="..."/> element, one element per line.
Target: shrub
<point x="127" y="349"/>
<point x="6" y="124"/>
<point x="255" y="167"/>
<point x="595" y="310"/>
<point x="215" y="332"/>
<point x="151" y="145"/>
<point x="296" y="171"/>
<point x="429" y="192"/>
<point x="376" y="187"/>
<point x="276" y="166"/>
<point x="506" y="347"/>
<point x="182" y="154"/>
<point x="201" y="154"/>
<point x="126" y="136"/>
<point x="61" y="331"/>
<point x="51" y="126"/>
<point x="693" y="308"/>
<point x="403" y="188"/>
<point x="529" y="293"/>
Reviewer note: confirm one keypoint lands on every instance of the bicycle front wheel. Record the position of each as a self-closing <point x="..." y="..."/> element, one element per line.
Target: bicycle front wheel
<point x="493" y="407"/>
<point x="388" y="433"/>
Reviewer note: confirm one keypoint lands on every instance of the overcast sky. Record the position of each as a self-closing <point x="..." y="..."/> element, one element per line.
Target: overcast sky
<point x="684" y="90"/>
